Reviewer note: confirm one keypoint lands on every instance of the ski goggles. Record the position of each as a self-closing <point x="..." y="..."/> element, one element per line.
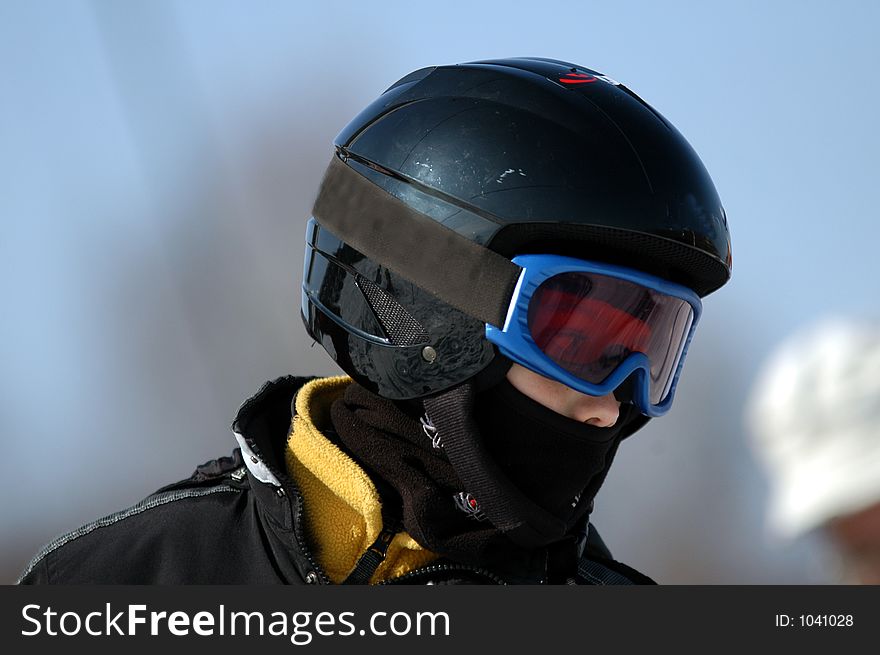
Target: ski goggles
<point x="594" y="326"/>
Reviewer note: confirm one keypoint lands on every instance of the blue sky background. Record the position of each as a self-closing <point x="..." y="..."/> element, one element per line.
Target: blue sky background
<point x="158" y="161"/>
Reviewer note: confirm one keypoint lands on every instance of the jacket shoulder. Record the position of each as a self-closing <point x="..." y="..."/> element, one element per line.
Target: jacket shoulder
<point x="126" y="546"/>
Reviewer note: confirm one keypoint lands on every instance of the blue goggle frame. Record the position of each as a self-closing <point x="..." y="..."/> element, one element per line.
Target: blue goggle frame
<point x="515" y="341"/>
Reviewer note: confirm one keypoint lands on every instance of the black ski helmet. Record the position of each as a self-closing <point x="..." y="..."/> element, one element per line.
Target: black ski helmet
<point x="454" y="170"/>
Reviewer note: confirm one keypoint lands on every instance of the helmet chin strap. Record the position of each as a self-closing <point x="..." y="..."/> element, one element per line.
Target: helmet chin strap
<point x="505" y="506"/>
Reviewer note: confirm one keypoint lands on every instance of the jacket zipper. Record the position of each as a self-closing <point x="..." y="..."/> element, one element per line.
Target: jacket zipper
<point x="440" y="568"/>
<point x="298" y="533"/>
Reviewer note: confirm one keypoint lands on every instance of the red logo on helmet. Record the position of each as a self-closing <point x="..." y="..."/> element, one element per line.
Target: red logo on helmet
<point x="577" y="78"/>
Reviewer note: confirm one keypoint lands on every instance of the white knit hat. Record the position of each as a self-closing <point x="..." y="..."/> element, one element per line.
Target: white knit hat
<point x="814" y="416"/>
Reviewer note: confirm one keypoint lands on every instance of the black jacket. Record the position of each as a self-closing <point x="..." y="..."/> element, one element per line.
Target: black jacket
<point x="239" y="520"/>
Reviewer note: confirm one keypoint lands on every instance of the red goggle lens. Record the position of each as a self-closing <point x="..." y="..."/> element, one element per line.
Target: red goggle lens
<point x="589" y="323"/>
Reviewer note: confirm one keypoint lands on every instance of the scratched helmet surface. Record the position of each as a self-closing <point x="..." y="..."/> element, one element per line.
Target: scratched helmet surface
<point x="515" y="156"/>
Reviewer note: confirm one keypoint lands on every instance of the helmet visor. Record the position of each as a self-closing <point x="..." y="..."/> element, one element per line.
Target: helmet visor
<point x="589" y="324"/>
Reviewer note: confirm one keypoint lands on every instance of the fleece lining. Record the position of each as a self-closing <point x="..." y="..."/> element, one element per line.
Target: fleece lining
<point x="343" y="510"/>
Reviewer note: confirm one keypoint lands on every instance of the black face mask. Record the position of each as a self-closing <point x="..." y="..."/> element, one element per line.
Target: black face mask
<point x="556" y="462"/>
<point x="530" y="472"/>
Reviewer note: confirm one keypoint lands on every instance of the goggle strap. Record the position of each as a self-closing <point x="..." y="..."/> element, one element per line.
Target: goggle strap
<point x="460" y="272"/>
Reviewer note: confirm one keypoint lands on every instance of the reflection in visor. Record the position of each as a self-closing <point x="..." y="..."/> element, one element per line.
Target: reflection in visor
<point x="589" y="324"/>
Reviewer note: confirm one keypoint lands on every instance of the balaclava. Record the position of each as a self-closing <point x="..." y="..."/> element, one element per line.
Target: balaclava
<point x="490" y="478"/>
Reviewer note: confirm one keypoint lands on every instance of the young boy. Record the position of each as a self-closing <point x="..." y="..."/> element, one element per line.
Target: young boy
<point x="507" y="259"/>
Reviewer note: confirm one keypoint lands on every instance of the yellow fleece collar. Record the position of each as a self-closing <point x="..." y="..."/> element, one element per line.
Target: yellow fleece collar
<point x="343" y="509"/>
